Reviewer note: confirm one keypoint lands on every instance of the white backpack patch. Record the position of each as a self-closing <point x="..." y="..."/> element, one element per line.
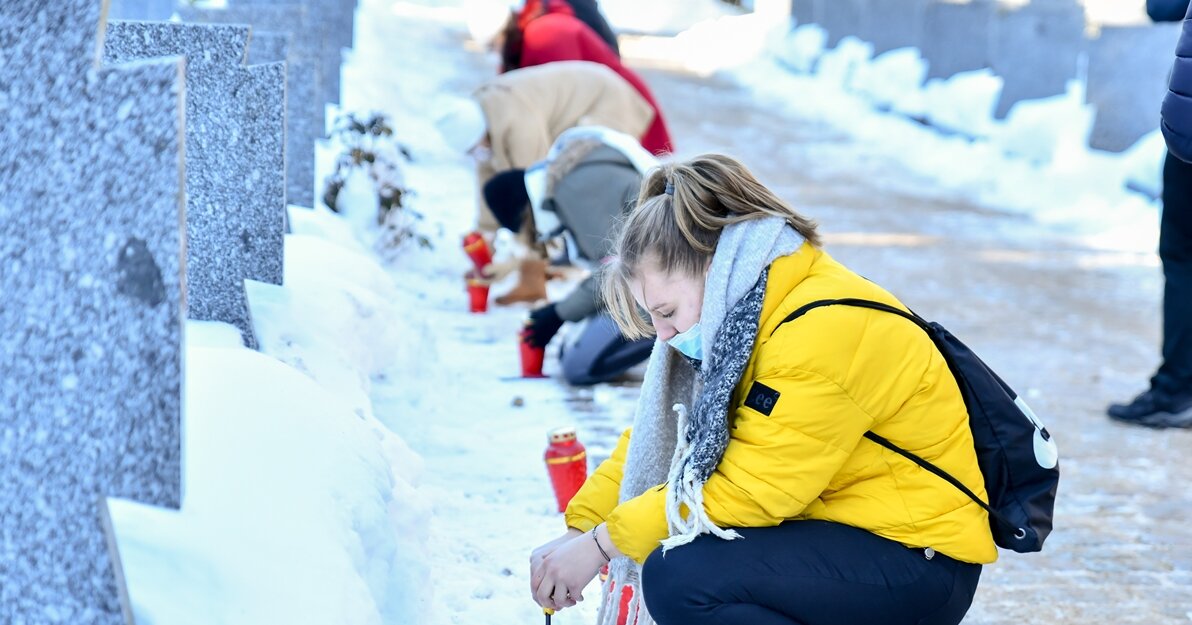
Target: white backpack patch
<point x="1046" y="452"/>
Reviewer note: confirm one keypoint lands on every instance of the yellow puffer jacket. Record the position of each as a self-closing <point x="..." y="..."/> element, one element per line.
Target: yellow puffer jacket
<point x="839" y="372"/>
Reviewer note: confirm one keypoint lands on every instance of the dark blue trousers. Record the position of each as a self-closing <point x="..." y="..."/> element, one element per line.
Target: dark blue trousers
<point x="601" y="353"/>
<point x="806" y="573"/>
<point x="1175" y="250"/>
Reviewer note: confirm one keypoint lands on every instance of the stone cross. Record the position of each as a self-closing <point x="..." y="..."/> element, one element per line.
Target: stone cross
<point x="305" y="110"/>
<point x="333" y="26"/>
<point x="235" y="174"/>
<point x="91" y="266"/>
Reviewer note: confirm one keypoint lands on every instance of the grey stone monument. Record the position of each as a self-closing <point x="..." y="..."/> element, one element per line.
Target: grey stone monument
<point x="235" y="175"/>
<point x="958" y="37"/>
<point x="1128" y="69"/>
<point x="804" y="12"/>
<point x="91" y="266"/>
<point x="268" y="47"/>
<point x="333" y="25"/>
<point x="842" y="18"/>
<point x="157" y="10"/>
<point x="342" y="35"/>
<point x="305" y="110"/>
<point x="894" y="24"/>
<point x="318" y="30"/>
<point x="1038" y="50"/>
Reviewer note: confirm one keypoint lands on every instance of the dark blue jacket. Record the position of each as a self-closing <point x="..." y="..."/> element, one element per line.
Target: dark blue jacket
<point x="1177" y="106"/>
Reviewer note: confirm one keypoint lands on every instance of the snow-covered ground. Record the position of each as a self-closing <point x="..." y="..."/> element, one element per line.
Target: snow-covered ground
<point x="379" y="461"/>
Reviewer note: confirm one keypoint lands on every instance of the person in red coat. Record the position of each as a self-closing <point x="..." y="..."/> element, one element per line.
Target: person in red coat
<point x="549" y="31"/>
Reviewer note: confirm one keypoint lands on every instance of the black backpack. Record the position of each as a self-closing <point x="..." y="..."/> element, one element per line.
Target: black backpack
<point x="1017" y="457"/>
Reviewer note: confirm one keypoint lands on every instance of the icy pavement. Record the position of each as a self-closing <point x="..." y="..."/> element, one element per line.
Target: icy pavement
<point x="1071" y="326"/>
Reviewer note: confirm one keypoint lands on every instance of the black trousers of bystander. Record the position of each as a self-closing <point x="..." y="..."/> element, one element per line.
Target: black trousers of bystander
<point x="1175" y="250"/>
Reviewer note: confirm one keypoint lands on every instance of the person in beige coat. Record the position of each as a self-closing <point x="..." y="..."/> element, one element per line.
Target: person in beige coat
<point x="511" y="121"/>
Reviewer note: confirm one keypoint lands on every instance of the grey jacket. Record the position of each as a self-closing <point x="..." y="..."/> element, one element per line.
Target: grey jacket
<point x="590" y="193"/>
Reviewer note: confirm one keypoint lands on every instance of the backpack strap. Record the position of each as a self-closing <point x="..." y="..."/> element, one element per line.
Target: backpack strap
<point x="922" y="462"/>
<point x="919" y="460"/>
<point x="857" y="303"/>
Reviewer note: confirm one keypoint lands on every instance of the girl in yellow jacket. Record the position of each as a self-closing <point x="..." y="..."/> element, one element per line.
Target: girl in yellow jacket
<point x="746" y="491"/>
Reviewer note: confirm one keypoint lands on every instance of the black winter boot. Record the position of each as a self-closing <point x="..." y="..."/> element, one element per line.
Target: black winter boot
<point x="1156" y="409"/>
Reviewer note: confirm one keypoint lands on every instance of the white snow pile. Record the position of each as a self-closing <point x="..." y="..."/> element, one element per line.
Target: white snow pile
<point x="1037" y="159"/>
<point x="944" y="131"/>
<point x="299" y="506"/>
<point x="663" y="18"/>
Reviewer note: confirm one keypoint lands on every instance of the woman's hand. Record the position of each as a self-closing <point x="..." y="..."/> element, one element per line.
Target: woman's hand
<point x="539" y="554"/>
<point x="558" y="580"/>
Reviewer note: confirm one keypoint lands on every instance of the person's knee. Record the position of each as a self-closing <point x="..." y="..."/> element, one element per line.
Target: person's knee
<point x="667" y="587"/>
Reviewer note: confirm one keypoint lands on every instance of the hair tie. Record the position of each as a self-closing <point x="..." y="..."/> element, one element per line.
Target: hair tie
<point x="670" y="188"/>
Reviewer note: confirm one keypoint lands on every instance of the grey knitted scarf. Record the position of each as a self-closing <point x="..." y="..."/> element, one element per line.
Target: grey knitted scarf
<point x="673" y="444"/>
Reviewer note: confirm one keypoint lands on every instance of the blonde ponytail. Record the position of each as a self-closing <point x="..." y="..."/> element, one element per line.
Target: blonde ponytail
<point x="681" y="210"/>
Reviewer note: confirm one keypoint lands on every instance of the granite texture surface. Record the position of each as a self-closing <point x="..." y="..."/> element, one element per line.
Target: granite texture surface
<point x="305" y="110"/>
<point x="1038" y="50"/>
<point x="235" y="176"/>
<point x="1128" y="71"/>
<point x="91" y="271"/>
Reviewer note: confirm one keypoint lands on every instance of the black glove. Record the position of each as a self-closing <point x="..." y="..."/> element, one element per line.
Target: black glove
<point x="542" y="326"/>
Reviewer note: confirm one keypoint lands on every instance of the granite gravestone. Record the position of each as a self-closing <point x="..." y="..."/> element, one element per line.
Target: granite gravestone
<point x="1128" y="71"/>
<point x="1038" y="50"/>
<point x="157" y="10"/>
<point x="842" y="18"/>
<point x="304" y="109"/>
<point x="268" y="47"/>
<point x="804" y="12"/>
<point x="91" y="266"/>
<point x="235" y="175"/>
<point x="893" y="24"/>
<point x="317" y="32"/>
<point x="958" y="37"/>
<point x="333" y="27"/>
<point x="341" y="35"/>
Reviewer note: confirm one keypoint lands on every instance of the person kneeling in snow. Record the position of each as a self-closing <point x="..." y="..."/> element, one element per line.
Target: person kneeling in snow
<point x="584" y="187"/>
<point x="747" y="492"/>
<point x="512" y="121"/>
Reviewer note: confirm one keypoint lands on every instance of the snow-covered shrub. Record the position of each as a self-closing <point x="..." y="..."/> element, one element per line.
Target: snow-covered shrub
<point x="371" y="152"/>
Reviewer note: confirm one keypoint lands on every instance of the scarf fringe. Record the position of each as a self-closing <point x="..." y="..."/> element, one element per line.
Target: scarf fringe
<point x="686" y="490"/>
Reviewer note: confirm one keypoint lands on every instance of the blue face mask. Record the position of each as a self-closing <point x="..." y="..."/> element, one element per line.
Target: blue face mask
<point x="689" y="343"/>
